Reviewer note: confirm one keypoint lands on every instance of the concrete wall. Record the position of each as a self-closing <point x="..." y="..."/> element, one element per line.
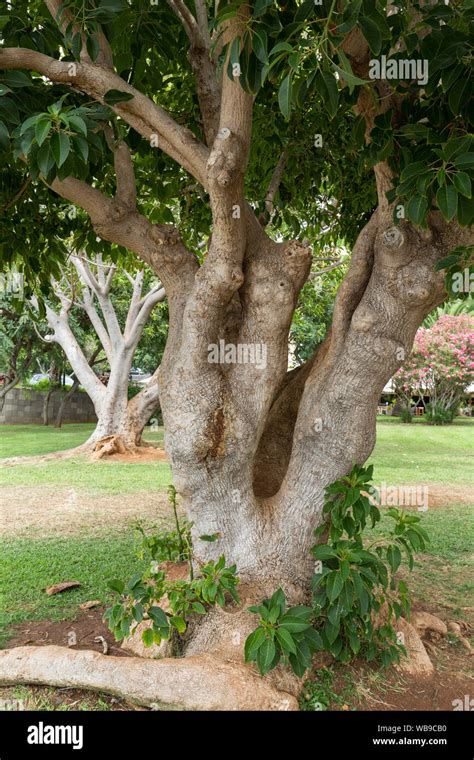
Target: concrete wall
<point x="23" y="406"/>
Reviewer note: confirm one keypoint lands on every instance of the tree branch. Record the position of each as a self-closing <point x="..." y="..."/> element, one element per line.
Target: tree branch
<point x="273" y="188"/>
<point x="141" y="113"/>
<point x="126" y="192"/>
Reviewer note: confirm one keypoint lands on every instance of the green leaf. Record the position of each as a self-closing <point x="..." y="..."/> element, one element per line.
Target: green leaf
<point x="93" y="47"/>
<point x="260" y="7"/>
<point x="346" y="73"/>
<point x="198" y="608"/>
<point x="4" y="136"/>
<point x="265" y="656"/>
<point x="294" y="624"/>
<point x="462" y="183"/>
<point x="394" y="557"/>
<point x="416" y="209"/>
<point x="147" y="637"/>
<point x="456" y="95"/>
<point x="354" y="642"/>
<point x="284" y="96"/>
<point x="331" y="631"/>
<point x="371" y="33"/>
<point x="178" y="623"/>
<point x="211" y="538"/>
<point x="260" y="44"/>
<point x="464" y="161"/>
<point x="286" y="640"/>
<point x="17" y="79"/>
<point x="301" y="612"/>
<point x="112" y="97"/>
<point x="413" y="170"/>
<point x="30" y="122"/>
<point x="158" y="616"/>
<point x="447" y="200"/>
<point x="344" y="570"/>
<point x="81" y="147"/>
<point x="323" y="551"/>
<point x="78" y="124"/>
<point x="116" y="585"/>
<point x="332" y="93"/>
<point x="253" y="643"/>
<point x="43" y="127"/>
<point x="60" y="146"/>
<point x="45" y="159"/>
<point x="334" y="584"/>
<point x="281" y="47"/>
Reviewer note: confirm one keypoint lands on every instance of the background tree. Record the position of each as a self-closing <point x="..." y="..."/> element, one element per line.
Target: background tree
<point x="88" y="285"/>
<point x="230" y="141"/>
<point x="17" y="340"/>
<point x="440" y="366"/>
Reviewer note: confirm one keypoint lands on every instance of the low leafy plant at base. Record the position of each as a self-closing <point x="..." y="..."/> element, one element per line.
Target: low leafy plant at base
<point x="139" y="597"/>
<point x="282" y="634"/>
<point x="356" y="597"/>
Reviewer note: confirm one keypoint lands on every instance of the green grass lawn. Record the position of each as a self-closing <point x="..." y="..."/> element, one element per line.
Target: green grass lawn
<point x="27" y="567"/>
<point x="30" y="440"/>
<point x="421" y="453"/>
<point x="93" y="478"/>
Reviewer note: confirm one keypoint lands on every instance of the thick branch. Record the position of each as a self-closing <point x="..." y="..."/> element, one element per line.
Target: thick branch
<point x="141" y="113"/>
<point x="63" y="335"/>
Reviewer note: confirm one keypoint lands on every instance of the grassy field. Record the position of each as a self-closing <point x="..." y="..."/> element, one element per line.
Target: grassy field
<point x="28" y="567"/>
<point x="30" y="440"/>
<point x="419" y="453"/>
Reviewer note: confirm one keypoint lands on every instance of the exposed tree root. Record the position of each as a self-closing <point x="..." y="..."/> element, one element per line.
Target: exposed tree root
<point x="191" y="683"/>
<point x="110" y="444"/>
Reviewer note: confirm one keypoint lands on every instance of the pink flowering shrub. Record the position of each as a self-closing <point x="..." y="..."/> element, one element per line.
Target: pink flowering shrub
<point x="441" y="366"/>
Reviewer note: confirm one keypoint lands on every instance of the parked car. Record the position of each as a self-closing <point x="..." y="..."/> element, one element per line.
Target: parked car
<point x="40" y="376"/>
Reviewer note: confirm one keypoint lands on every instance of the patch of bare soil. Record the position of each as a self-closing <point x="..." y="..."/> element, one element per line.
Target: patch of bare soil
<point x="451" y="681"/>
<point x="139" y="456"/>
<point x="45" y="511"/>
<point x="84" y="629"/>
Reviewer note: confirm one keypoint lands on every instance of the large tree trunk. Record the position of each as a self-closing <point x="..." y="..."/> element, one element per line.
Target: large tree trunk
<point x="253" y="450"/>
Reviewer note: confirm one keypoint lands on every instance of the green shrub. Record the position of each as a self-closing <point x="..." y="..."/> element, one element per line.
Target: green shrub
<point x="351" y="584"/>
<point x="439" y="414"/>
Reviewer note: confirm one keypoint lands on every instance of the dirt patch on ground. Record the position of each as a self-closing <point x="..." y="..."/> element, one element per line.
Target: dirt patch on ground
<point x="44" y="511"/>
<point x="140" y="456"/>
<point x="449" y="683"/>
<point x="83" y="629"/>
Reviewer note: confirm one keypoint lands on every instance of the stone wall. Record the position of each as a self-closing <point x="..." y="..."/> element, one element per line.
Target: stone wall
<point x="24" y="406"/>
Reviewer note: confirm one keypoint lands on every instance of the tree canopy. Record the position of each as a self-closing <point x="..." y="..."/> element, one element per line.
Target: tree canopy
<point x="303" y="62"/>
